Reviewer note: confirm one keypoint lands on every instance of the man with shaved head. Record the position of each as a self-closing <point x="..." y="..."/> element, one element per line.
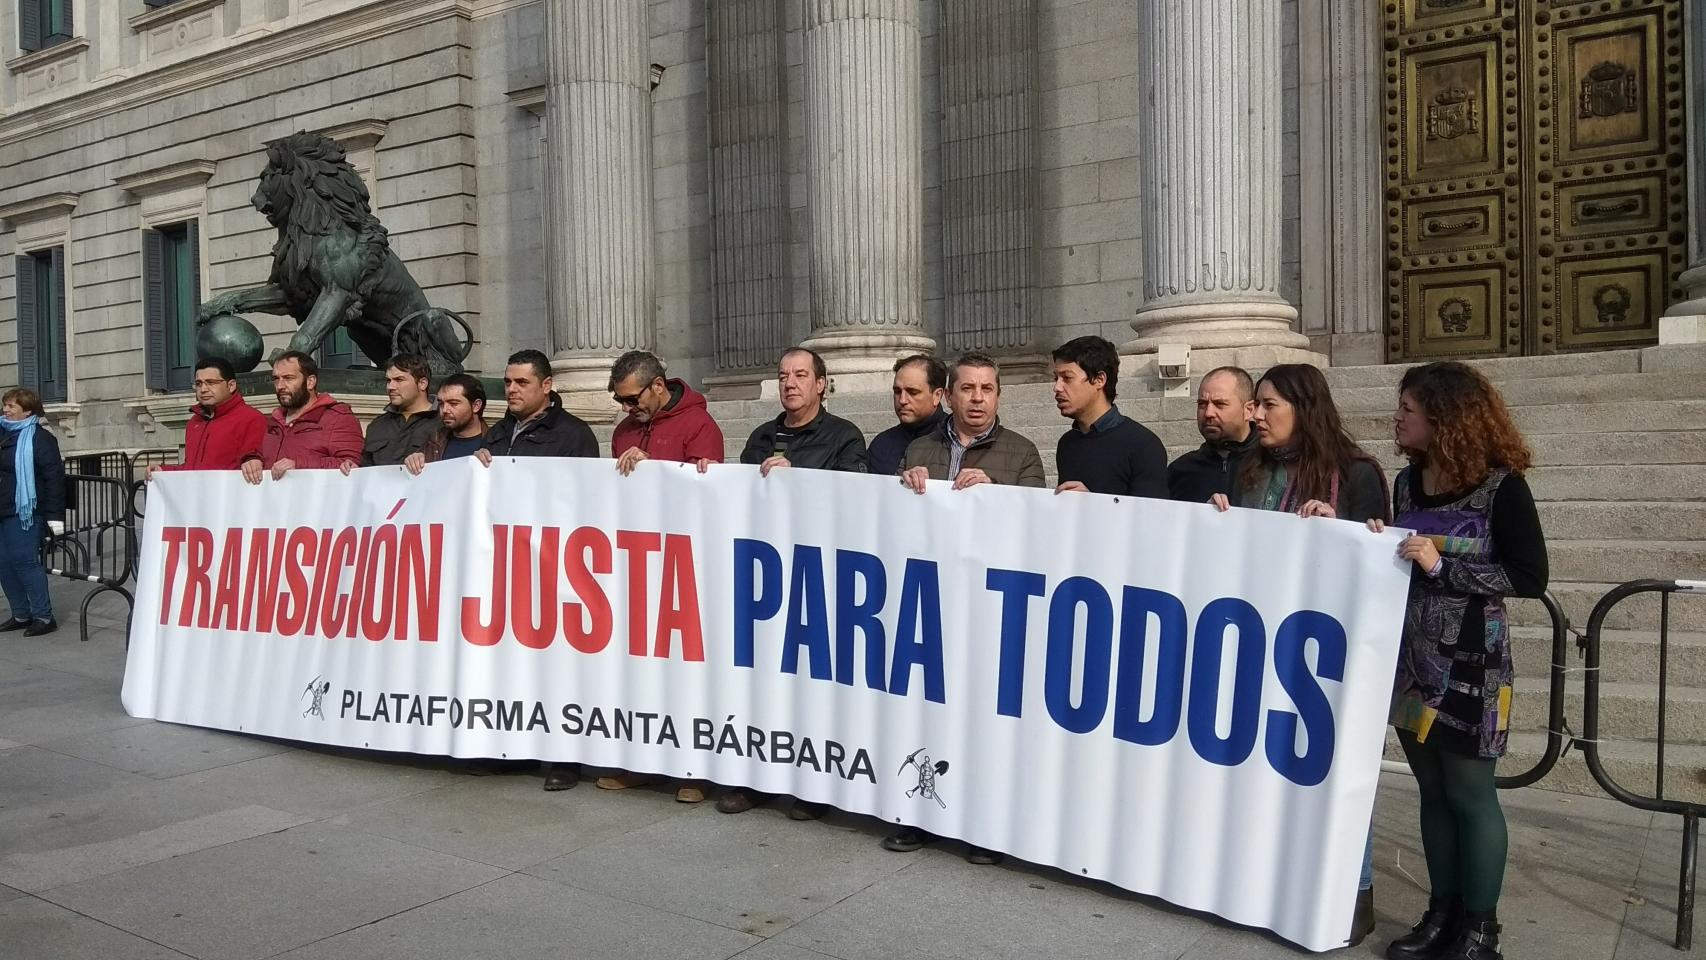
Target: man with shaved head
<point x="1226" y="403"/>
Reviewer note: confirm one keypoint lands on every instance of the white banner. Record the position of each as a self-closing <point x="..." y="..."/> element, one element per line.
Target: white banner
<point x="1183" y="703"/>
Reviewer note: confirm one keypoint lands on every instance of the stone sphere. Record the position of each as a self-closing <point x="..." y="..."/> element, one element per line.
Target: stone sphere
<point x="231" y="337"/>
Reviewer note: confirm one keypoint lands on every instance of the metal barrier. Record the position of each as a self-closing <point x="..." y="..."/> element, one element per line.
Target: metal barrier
<point x="99" y="544"/>
<point x="1589" y="744"/>
<point x="1556" y="745"/>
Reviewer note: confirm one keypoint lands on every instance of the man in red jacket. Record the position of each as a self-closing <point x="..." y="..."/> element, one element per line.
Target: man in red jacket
<point x="667" y="419"/>
<point x="309" y="430"/>
<point x="223" y="429"/>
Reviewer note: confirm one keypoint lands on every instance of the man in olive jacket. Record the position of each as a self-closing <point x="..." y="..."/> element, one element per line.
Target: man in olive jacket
<point x="973" y="447"/>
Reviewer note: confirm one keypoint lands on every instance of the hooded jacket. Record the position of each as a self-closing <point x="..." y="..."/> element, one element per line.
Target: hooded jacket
<point x="682" y="431"/>
<point x="321" y="437"/>
<point x="222" y="437"/>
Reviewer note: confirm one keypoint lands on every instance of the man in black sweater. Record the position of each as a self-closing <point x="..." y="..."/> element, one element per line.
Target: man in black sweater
<point x="1226" y="403"/>
<point x="1105" y="451"/>
<point x="920" y="381"/>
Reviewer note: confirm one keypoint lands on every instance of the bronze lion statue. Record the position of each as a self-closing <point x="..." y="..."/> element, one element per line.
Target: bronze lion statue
<point x="333" y="265"/>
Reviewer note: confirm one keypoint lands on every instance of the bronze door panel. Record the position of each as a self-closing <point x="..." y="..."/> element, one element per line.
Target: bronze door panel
<point x="1603" y="97"/>
<point x="1428" y="14"/>
<point x="1455" y="311"/>
<point x="1456" y="222"/>
<point x="1450" y="106"/>
<point x="1535" y="195"/>
<point x="1606" y="301"/>
<point x="1614" y="206"/>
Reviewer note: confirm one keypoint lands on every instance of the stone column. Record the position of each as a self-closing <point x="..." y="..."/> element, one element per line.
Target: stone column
<point x="863" y="177"/>
<point x="1686" y="322"/>
<point x="598" y="172"/>
<point x="1211" y="125"/>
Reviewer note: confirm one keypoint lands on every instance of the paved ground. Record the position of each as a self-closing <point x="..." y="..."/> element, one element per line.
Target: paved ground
<point x="123" y="839"/>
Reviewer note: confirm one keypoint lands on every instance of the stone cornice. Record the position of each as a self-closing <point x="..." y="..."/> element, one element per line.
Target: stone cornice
<point x="172" y="11"/>
<point x="59" y="51"/>
<point x="264" y="51"/>
<point x="172" y="176"/>
<point x="357" y="134"/>
<point x="532" y="99"/>
<point x="39" y="208"/>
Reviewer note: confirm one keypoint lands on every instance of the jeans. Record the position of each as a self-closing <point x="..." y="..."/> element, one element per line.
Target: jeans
<point x="1368" y="861"/>
<point x="21" y="575"/>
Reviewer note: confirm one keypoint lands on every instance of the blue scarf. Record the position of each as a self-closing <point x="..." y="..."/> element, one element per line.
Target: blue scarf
<point x="24" y="467"/>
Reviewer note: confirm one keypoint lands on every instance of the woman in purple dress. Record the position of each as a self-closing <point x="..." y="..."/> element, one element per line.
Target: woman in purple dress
<point x="1477" y="541"/>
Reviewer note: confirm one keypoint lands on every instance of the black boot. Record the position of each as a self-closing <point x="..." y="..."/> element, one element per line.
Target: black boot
<point x="1477" y="939"/>
<point x="1362" y="921"/>
<point x="1428" y="939"/>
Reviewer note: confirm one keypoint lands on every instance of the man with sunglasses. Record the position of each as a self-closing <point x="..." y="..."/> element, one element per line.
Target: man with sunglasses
<point x="666" y="419"/>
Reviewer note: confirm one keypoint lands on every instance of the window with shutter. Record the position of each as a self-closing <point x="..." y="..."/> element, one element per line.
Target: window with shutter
<point x="28" y="339"/>
<point x="171" y="281"/>
<point x="42" y="363"/>
<point x="55" y="22"/>
<point x="29" y="25"/>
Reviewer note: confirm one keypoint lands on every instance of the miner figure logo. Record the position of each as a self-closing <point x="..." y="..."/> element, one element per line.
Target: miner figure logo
<point x="927" y="773"/>
<point x="316" y="688"/>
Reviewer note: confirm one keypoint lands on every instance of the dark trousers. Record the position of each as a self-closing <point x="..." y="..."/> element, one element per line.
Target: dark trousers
<point x="21" y="574"/>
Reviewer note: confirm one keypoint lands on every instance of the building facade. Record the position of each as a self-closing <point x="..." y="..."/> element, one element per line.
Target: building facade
<point x="717" y="179"/>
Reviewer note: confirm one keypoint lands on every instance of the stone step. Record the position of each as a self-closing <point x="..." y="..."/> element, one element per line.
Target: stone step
<point x="1598" y="387"/>
<point x="1595" y="560"/>
<point x="1500" y="370"/>
<point x="1627" y="710"/>
<point x="1626" y="656"/>
<point x="1632" y="765"/>
<point x="1638" y="520"/>
<point x="1619" y="482"/>
<point x="1638" y="612"/>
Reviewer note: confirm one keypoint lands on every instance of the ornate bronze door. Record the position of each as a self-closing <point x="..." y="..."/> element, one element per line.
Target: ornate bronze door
<point x="1535" y="174"/>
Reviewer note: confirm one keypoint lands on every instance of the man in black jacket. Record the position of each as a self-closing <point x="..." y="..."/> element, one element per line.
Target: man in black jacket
<point x="1105" y="451"/>
<point x="920" y="383"/>
<point x="409" y="422"/>
<point x="1226" y="403"/>
<point x="805" y="434"/>
<point x="536" y="424"/>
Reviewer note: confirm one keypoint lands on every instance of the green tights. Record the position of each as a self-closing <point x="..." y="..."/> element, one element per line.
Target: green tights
<point x="1463" y="828"/>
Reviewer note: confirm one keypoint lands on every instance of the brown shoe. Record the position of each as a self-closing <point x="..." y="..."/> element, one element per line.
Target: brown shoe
<point x="806" y="810"/>
<point x="735" y="801"/>
<point x="623" y="781"/>
<point x="693" y="791"/>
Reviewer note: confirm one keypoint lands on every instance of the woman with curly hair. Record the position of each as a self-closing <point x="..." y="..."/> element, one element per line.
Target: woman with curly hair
<point x="1477" y="541"/>
<point x="1308" y="464"/>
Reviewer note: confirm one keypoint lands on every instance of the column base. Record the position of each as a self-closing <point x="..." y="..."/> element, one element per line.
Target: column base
<point x="1686" y="322"/>
<point x="864" y="362"/>
<point x="584" y="384"/>
<point x="753" y="385"/>
<point x="1217" y="325"/>
<point x="1140" y="368"/>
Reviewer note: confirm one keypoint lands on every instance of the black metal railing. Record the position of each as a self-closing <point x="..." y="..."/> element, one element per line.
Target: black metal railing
<point x="99" y="544"/>
<point x="1589" y="744"/>
<point x="1556" y="733"/>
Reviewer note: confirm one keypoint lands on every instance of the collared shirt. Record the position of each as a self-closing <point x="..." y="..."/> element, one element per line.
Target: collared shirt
<point x="957" y="450"/>
<point x="1105" y="422"/>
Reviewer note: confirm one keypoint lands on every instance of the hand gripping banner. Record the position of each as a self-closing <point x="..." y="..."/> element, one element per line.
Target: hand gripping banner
<point x="1183" y="703"/>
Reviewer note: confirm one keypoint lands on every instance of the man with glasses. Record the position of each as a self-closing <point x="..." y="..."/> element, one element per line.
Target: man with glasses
<point x="223" y="428"/>
<point x="666" y="419"/>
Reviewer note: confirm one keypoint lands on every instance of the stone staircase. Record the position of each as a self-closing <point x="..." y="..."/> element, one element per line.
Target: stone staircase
<point x="1620" y="446"/>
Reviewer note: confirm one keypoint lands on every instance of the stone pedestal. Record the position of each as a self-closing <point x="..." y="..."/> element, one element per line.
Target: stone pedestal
<point x="864" y="176"/>
<point x="598" y="174"/>
<point x="1686" y="322"/>
<point x="1211" y="236"/>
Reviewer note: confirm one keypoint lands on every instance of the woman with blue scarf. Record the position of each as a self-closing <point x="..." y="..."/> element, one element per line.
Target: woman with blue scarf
<point x="32" y="504"/>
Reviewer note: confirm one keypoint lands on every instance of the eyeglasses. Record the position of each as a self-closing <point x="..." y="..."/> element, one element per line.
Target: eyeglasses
<point x="209" y="383"/>
<point x="632" y="401"/>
